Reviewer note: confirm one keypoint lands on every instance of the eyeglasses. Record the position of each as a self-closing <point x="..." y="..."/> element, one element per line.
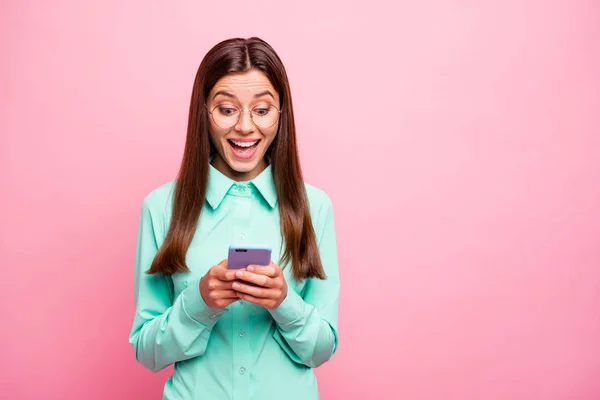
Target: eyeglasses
<point x="227" y="116"/>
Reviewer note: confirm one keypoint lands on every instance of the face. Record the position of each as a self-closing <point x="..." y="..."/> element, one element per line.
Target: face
<point x="241" y="143"/>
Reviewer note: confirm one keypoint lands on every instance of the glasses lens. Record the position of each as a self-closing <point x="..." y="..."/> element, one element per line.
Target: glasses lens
<point x="225" y="116"/>
<point x="265" y="116"/>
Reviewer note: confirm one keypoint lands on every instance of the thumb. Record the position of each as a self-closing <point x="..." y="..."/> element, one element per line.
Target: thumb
<point x="223" y="273"/>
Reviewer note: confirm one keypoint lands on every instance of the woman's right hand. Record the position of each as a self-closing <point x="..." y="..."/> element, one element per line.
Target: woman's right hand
<point x="215" y="286"/>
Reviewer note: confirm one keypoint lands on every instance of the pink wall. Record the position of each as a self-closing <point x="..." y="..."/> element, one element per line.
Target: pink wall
<point x="466" y="184"/>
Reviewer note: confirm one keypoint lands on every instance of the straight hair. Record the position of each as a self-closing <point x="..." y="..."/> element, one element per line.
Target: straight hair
<point x="298" y="236"/>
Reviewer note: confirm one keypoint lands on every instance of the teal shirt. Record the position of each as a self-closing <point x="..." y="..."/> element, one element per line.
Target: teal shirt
<point x="244" y="351"/>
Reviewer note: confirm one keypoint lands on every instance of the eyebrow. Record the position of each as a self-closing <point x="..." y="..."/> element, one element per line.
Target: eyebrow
<point x="231" y="95"/>
<point x="224" y="93"/>
<point x="264" y="92"/>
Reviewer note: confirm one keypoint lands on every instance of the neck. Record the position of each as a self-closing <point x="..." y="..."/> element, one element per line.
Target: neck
<point x="224" y="168"/>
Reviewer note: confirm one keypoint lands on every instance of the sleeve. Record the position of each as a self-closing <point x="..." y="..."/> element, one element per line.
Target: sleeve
<point x="165" y="330"/>
<point x="307" y="325"/>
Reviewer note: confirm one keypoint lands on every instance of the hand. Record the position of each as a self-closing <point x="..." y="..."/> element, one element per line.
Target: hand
<point x="261" y="285"/>
<point x="215" y="286"/>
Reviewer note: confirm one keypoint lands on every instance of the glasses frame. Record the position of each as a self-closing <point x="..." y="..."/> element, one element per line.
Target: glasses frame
<point x="240" y="116"/>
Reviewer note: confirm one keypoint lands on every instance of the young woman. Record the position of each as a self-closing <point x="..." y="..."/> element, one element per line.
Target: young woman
<point x="254" y="333"/>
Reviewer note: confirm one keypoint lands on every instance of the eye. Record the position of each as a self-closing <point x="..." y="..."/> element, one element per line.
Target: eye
<point x="261" y="111"/>
<point x="227" y="111"/>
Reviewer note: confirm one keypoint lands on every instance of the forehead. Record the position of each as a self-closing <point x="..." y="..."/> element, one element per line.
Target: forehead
<point x="244" y="84"/>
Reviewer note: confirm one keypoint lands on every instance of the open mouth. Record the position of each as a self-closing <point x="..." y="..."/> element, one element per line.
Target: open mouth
<point x="243" y="149"/>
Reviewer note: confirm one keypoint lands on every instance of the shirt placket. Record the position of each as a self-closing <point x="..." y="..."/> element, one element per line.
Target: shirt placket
<point x="241" y="324"/>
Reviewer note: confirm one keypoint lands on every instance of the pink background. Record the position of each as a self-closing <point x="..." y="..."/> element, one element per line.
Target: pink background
<point x="459" y="141"/>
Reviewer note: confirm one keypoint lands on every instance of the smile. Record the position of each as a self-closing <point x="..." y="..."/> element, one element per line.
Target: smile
<point x="244" y="143"/>
<point x="243" y="149"/>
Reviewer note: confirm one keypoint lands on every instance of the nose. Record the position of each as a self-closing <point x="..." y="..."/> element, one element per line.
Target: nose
<point x="245" y="124"/>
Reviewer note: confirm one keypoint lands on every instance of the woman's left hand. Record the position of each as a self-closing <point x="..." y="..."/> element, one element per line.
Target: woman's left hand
<point x="271" y="287"/>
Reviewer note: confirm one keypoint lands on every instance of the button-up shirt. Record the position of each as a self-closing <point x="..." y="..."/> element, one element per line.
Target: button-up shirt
<point x="243" y="351"/>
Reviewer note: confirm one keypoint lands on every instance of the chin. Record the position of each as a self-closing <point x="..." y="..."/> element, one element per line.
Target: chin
<point x="242" y="167"/>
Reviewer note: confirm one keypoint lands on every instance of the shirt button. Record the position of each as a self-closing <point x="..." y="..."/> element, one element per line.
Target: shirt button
<point x="242" y="371"/>
<point x="242" y="333"/>
<point x="185" y="283"/>
<point x="242" y="236"/>
<point x="213" y="316"/>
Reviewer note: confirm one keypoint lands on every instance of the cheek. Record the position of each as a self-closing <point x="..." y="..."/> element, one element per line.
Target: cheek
<point x="215" y="135"/>
<point x="270" y="136"/>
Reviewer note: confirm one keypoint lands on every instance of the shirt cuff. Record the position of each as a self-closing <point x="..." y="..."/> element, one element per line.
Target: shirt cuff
<point x="195" y="307"/>
<point x="289" y="311"/>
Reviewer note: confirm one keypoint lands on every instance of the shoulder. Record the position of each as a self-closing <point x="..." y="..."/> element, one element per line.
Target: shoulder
<point x="319" y="201"/>
<point x="321" y="209"/>
<point x="160" y="199"/>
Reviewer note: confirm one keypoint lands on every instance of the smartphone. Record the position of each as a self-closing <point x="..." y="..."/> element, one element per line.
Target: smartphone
<point x="242" y="255"/>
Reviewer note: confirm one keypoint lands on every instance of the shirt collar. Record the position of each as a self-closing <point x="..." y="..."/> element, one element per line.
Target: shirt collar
<point x="266" y="185"/>
<point x="219" y="185"/>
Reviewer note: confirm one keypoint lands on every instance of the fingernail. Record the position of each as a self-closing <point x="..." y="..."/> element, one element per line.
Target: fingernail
<point x="236" y="285"/>
<point x="250" y="268"/>
<point x="239" y="274"/>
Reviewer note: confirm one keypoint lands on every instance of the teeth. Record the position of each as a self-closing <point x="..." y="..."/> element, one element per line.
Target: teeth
<point x="244" y="144"/>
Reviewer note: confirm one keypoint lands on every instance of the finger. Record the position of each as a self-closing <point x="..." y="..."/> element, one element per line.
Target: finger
<point x="267" y="303"/>
<point x="224" y="294"/>
<point x="272" y="270"/>
<point x="223" y="263"/>
<point x="217" y="284"/>
<point x="257" y="279"/>
<point x="255" y="291"/>
<point x="221" y="272"/>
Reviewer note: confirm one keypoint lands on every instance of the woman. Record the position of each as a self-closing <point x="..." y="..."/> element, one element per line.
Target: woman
<point x="255" y="333"/>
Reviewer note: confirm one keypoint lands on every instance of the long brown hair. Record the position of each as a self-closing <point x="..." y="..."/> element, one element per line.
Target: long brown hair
<point x="234" y="56"/>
